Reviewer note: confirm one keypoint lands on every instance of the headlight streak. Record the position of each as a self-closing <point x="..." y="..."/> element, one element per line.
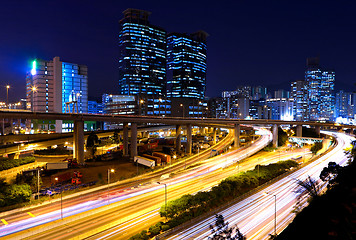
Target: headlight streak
<point x="101" y="201"/>
<point x="255" y="215"/>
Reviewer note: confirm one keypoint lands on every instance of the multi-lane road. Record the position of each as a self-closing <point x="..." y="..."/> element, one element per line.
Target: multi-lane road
<point x="133" y="207"/>
<point x="255" y="215"/>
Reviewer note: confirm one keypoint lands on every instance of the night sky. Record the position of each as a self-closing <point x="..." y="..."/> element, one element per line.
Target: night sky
<point x="251" y="42"/>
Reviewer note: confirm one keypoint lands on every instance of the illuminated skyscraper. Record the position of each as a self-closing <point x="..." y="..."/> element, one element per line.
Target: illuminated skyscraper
<point x="300" y="97"/>
<point x="186" y="66"/>
<point x="142" y="61"/>
<point x="52" y="84"/>
<point x="186" y="73"/>
<point x="320" y="91"/>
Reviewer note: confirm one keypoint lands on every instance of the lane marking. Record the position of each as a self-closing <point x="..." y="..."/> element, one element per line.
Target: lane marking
<point x="31" y="214"/>
<point x="4" y="221"/>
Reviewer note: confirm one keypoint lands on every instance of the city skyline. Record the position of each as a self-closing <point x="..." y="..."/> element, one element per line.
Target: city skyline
<point x="277" y="49"/>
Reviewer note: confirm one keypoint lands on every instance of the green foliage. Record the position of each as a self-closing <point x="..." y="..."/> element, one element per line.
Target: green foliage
<point x="282" y="137"/>
<point x="189" y="206"/>
<point x="14" y="193"/>
<point x="6" y="163"/>
<point x="316" y="147"/>
<point x="92" y="143"/>
<point x="140" y="236"/>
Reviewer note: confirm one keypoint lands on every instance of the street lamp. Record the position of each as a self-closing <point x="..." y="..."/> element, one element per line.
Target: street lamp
<point x="109" y="171"/>
<point x="34" y="89"/>
<point x="275" y="211"/>
<point x="183" y="108"/>
<point x="61" y="199"/>
<point x="165" y="198"/>
<point x="7" y="95"/>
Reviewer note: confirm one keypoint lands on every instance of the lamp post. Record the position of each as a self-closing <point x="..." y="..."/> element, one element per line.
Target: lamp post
<point x="275" y="212"/>
<point x="34" y="89"/>
<point x="7" y="95"/>
<point x="38" y="180"/>
<point x="165" y="198"/>
<point x="182" y="108"/>
<point x="109" y="171"/>
<point x="61" y="200"/>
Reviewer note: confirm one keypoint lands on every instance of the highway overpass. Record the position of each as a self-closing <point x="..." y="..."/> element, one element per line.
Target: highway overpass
<point x="235" y="124"/>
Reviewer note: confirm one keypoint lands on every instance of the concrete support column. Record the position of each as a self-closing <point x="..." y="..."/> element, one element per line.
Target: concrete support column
<point x="214" y="136"/>
<point x="299" y="131"/>
<point x="178" y="137"/>
<point x="125" y="139"/>
<point x="237" y="131"/>
<point x="133" y="140"/>
<point x="317" y="130"/>
<point x="189" y="139"/>
<point x="11" y="125"/>
<point x="275" y="135"/>
<point x="79" y="140"/>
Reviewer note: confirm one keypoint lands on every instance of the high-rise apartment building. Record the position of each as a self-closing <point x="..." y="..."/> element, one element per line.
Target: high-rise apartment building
<point x="300" y="96"/>
<point x="142" y="61"/>
<point x="53" y="85"/>
<point x="50" y="85"/>
<point x="320" y="91"/>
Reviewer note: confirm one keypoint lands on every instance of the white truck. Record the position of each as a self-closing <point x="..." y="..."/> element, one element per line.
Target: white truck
<point x="57" y="165"/>
<point x="144" y="161"/>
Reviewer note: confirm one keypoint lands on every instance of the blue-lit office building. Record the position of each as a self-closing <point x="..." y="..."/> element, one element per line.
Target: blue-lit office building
<point x="300" y="96"/>
<point x="320" y="91"/>
<point x="186" y="73"/>
<point x="56" y="86"/>
<point x="142" y="61"/>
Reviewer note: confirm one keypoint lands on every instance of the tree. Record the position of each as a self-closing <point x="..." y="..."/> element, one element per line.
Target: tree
<point x="92" y="143"/>
<point x="308" y="186"/>
<point x="222" y="231"/>
<point x="316" y="147"/>
<point x="329" y="173"/>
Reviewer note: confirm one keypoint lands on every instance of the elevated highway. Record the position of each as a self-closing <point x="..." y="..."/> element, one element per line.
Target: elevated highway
<point x="78" y="119"/>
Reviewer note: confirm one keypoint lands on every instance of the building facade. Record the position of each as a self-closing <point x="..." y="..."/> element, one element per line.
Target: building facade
<point x="299" y="95"/>
<point x="142" y="59"/>
<point x="280" y="108"/>
<point x="320" y="91"/>
<point x="54" y="86"/>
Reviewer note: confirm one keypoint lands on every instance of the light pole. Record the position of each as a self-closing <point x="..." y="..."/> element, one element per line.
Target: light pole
<point x="34" y="89"/>
<point x="275" y="212"/>
<point x="182" y="108"/>
<point x="38" y="181"/>
<point x="165" y="198"/>
<point x="7" y="95"/>
<point x="109" y="171"/>
<point x="61" y="199"/>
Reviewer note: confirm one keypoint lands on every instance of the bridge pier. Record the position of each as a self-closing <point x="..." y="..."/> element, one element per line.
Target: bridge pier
<point x="78" y="141"/>
<point x="299" y="131"/>
<point x="237" y="130"/>
<point x="275" y="135"/>
<point x="125" y="139"/>
<point x="178" y="138"/>
<point x="189" y="139"/>
<point x="214" y="136"/>
<point x="133" y="140"/>
<point x="317" y="130"/>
